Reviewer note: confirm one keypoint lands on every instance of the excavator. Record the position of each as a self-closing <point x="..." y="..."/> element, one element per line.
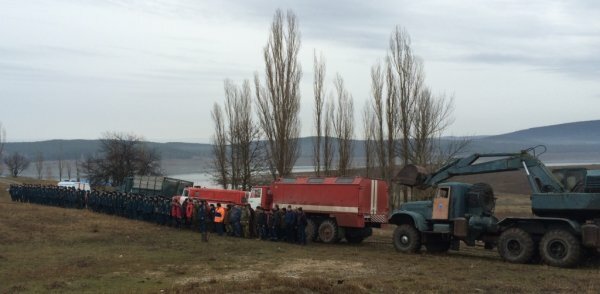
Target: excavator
<point x="565" y="203"/>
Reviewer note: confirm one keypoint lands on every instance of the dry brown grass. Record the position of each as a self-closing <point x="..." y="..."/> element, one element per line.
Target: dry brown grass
<point x="47" y="249"/>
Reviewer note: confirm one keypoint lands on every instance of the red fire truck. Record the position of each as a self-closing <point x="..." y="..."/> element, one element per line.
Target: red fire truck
<point x="336" y="208"/>
<point x="213" y="196"/>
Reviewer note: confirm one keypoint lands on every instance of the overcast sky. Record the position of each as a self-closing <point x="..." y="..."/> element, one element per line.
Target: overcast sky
<point x="75" y="69"/>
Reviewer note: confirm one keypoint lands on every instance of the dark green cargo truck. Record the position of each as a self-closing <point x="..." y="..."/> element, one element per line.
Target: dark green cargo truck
<point x="566" y="207"/>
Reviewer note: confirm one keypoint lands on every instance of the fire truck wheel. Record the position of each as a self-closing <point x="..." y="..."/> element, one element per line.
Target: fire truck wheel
<point x="311" y="230"/>
<point x="328" y="231"/>
<point x="560" y="248"/>
<point x="516" y="246"/>
<point x="407" y="239"/>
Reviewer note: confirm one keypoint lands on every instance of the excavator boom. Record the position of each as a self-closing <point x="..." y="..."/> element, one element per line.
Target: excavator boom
<point x="540" y="178"/>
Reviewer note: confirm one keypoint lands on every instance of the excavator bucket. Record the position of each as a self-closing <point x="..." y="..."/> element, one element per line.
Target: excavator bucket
<point x="411" y="175"/>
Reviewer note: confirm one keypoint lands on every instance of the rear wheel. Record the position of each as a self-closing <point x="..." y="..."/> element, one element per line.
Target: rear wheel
<point x="407" y="239"/>
<point x="516" y="246"/>
<point x="328" y="231"/>
<point x="560" y="248"/>
<point x="311" y="230"/>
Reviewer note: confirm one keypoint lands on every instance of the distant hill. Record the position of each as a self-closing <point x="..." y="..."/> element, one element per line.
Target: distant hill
<point x="76" y="149"/>
<point x="585" y="132"/>
<point x="577" y="142"/>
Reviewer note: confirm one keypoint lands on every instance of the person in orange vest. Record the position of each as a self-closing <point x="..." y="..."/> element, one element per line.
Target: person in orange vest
<point x="189" y="212"/>
<point x="219" y="215"/>
<point x="176" y="212"/>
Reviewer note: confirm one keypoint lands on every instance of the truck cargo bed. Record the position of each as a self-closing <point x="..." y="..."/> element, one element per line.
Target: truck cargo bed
<point x="580" y="206"/>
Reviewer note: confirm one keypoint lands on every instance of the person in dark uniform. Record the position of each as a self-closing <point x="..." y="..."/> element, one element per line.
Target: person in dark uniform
<point x="211" y="219"/>
<point x="261" y="223"/>
<point x="201" y="214"/>
<point x="301" y="223"/>
<point x="290" y="225"/>
<point x="274" y="223"/>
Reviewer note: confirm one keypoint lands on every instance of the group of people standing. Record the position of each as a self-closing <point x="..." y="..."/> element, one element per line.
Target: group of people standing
<point x="242" y="221"/>
<point x="284" y="224"/>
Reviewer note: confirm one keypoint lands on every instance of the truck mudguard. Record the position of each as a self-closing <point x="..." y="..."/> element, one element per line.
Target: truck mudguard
<point x="400" y="217"/>
<point x="539" y="225"/>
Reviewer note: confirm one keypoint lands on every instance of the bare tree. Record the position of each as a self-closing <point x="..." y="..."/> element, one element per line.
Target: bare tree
<point x="319" y="93"/>
<point x="391" y="121"/>
<point x="405" y="76"/>
<point x="39" y="164"/>
<point x="344" y="125"/>
<point x="379" y="107"/>
<point x="16" y="163"/>
<point x="61" y="163"/>
<point x="394" y="107"/>
<point x="245" y="159"/>
<point x="78" y="169"/>
<point x="369" y="130"/>
<point x="68" y="168"/>
<point x="279" y="100"/>
<point x="232" y="109"/>
<point x="49" y="174"/>
<point x="432" y="117"/>
<point x="449" y="149"/>
<point x="121" y="156"/>
<point x="328" y="138"/>
<point x="219" y="148"/>
<point x="147" y="161"/>
<point x="252" y="157"/>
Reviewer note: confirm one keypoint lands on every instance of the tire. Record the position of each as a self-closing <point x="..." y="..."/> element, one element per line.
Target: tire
<point x="560" y="248"/>
<point x="437" y="246"/>
<point x="311" y="230"/>
<point x="407" y="239"/>
<point x="516" y="246"/>
<point x="329" y="231"/>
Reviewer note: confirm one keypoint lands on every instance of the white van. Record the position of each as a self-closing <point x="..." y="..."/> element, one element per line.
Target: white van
<point x="76" y="185"/>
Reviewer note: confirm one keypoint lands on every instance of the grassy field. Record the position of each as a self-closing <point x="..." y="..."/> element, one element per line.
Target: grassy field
<point x="47" y="249"/>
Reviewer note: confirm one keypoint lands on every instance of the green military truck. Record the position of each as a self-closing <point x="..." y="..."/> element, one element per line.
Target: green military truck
<point x="155" y="186"/>
<point x="565" y="204"/>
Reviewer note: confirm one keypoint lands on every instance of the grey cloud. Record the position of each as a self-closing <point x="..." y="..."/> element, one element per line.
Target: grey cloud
<point x="12" y="70"/>
<point x="8" y="53"/>
<point x="498" y="58"/>
<point x="584" y="67"/>
<point x="35" y="74"/>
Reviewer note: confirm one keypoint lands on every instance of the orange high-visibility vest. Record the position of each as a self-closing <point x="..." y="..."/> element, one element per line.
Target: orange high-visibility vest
<point x="221" y="211"/>
<point x="175" y="210"/>
<point x="189" y="210"/>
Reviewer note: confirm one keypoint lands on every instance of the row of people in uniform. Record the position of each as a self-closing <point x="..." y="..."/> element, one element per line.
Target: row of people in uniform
<point x="284" y="224"/>
<point x="48" y="195"/>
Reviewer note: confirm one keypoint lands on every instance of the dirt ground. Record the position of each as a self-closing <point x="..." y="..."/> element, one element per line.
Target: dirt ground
<point x="48" y="249"/>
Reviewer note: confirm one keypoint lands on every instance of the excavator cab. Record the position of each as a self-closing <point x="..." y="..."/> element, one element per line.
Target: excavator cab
<point x="578" y="180"/>
<point x="441" y="203"/>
